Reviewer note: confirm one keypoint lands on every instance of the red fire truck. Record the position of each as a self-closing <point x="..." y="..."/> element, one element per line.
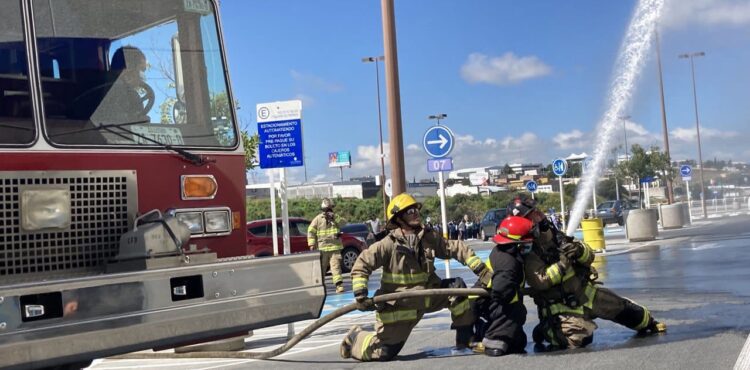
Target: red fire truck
<point x="122" y="203"/>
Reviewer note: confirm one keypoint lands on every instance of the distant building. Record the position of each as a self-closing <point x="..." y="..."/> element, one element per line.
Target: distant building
<point x="533" y="169"/>
<point x="343" y="189"/>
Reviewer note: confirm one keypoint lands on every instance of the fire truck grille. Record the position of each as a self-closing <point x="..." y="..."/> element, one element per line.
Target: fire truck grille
<point x="103" y="205"/>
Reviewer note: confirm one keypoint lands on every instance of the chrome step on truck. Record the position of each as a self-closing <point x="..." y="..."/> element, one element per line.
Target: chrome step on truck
<point x="47" y="323"/>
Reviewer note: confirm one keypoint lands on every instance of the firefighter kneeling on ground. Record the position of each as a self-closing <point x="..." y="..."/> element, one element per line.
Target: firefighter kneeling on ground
<point x="324" y="234"/>
<point x="563" y="285"/>
<point x="407" y="256"/>
<point x="500" y="317"/>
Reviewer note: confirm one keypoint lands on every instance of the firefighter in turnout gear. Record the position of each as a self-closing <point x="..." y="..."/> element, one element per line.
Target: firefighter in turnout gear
<point x="500" y="317"/>
<point x="323" y="234"/>
<point x="407" y="256"/>
<point x="565" y="289"/>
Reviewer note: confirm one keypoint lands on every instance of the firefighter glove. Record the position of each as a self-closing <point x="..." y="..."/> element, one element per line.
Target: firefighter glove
<point x="485" y="276"/>
<point x="564" y="264"/>
<point x="572" y="250"/>
<point x="363" y="302"/>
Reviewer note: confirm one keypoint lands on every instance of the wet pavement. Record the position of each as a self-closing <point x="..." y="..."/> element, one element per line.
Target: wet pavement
<point x="696" y="280"/>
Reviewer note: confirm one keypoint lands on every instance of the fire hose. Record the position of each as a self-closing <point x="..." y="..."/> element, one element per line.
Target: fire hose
<point x="455" y="292"/>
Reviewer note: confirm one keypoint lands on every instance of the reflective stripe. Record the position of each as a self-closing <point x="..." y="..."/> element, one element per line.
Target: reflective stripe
<point x="460" y="308"/>
<point x="427" y="302"/>
<point x="488" y="263"/>
<point x="330" y="248"/>
<point x="359" y="283"/>
<point x="559" y="308"/>
<point x="585" y="255"/>
<point x="311" y="241"/>
<point x="366" y="346"/>
<point x="590" y="292"/>
<point x="396" y="316"/>
<point x="553" y="272"/>
<point x="404" y="279"/>
<point x="473" y="262"/>
<point x="646" y="317"/>
<point x="337" y="279"/>
<point x="328" y="232"/>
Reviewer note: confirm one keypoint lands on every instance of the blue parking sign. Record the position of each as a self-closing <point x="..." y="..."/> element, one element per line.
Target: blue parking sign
<point x="559" y="166"/>
<point x="531" y="186"/>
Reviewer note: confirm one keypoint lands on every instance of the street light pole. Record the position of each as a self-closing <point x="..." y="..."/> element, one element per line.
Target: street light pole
<point x="438" y="117"/>
<point x="697" y="126"/>
<point x="380" y="131"/>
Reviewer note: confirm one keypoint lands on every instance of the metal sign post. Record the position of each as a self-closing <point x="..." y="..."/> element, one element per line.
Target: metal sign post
<point x="686" y="172"/>
<point x="559" y="168"/>
<point x="438" y="143"/>
<point x="280" y="146"/>
<point x="531" y="186"/>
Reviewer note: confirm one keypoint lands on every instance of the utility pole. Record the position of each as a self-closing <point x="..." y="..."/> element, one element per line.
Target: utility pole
<point x="393" y="98"/>
<point x="665" y="133"/>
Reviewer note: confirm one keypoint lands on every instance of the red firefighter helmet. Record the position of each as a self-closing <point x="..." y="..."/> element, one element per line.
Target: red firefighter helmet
<point x="514" y="229"/>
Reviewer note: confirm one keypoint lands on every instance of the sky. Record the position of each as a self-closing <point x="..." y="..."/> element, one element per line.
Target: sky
<point x="519" y="81"/>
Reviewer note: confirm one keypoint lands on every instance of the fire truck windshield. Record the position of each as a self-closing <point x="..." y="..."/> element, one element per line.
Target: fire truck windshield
<point x="150" y="72"/>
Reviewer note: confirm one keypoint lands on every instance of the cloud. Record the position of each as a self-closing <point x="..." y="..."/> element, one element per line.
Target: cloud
<point x="571" y="140"/>
<point x="307" y="81"/>
<point x="503" y="70"/>
<point x="683" y="13"/>
<point x="689" y="134"/>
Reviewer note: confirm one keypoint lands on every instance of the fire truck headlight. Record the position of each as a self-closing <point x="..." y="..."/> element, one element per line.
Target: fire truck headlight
<point x="193" y="221"/>
<point x="45" y="209"/>
<point x="218" y="221"/>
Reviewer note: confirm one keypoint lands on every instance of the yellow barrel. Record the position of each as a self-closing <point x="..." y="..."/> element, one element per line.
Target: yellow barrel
<point x="593" y="233"/>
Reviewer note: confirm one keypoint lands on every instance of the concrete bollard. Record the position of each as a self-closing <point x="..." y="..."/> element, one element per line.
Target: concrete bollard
<point x="641" y="225"/>
<point x="671" y="216"/>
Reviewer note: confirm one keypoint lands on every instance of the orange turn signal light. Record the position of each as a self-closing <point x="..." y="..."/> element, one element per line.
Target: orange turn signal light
<point x="236" y="221"/>
<point x="198" y="187"/>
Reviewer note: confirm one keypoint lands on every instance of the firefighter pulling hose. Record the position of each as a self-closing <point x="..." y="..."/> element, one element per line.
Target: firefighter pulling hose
<point x="377" y="300"/>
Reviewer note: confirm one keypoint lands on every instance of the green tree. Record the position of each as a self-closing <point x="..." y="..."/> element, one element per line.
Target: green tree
<point x="250" y="143"/>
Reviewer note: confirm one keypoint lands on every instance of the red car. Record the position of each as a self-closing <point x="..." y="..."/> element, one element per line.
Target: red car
<point x="260" y="242"/>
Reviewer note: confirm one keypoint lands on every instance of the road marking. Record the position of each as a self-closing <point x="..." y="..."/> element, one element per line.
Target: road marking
<point x="743" y="361"/>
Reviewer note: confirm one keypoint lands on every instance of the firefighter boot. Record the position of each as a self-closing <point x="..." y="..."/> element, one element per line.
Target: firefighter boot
<point x="654" y="327"/>
<point x="339" y="288"/>
<point x="346" y="345"/>
<point x="464" y="336"/>
<point x="497" y="348"/>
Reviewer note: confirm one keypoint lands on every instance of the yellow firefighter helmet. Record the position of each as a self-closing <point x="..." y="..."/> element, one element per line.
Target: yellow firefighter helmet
<point x="399" y="203"/>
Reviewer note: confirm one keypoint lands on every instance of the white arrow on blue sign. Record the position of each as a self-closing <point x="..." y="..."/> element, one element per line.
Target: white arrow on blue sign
<point x="559" y="166"/>
<point x="438" y="141"/>
<point x="531" y="186"/>
<point x="685" y="170"/>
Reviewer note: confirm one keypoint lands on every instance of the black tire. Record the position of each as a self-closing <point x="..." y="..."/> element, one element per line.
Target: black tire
<point x="484" y="236"/>
<point x="620" y="221"/>
<point x="348" y="256"/>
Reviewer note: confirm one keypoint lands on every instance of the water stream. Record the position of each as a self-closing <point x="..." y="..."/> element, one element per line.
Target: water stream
<point x="633" y="52"/>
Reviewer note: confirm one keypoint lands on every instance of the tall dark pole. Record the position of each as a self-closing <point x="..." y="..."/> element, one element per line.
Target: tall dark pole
<point x="393" y="97"/>
<point x="698" y="129"/>
<point x="380" y="131"/>
<point x="665" y="133"/>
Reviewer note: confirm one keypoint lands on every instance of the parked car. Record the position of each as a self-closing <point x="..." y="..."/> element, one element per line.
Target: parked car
<point x="490" y="222"/>
<point x="613" y="211"/>
<point x="260" y="240"/>
<point x="360" y="231"/>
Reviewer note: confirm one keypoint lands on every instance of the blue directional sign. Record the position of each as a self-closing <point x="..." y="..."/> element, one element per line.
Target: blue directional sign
<point x="438" y="141"/>
<point x="280" y="144"/>
<point x="440" y="164"/>
<point x="686" y="170"/>
<point x="531" y="186"/>
<point x="560" y="166"/>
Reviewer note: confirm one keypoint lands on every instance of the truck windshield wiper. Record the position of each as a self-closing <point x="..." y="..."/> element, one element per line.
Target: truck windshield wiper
<point x="190" y="157"/>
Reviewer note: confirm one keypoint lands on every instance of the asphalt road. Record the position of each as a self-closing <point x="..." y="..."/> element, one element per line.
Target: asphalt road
<point x="696" y="280"/>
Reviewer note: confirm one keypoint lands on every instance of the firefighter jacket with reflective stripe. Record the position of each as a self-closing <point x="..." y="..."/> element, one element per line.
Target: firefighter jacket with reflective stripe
<point x="406" y="268"/>
<point x="322" y="234"/>
<point x="506" y="265"/>
<point x="545" y="277"/>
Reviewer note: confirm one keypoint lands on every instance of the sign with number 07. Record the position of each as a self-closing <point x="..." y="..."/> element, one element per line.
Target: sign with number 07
<point x="440" y="164"/>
